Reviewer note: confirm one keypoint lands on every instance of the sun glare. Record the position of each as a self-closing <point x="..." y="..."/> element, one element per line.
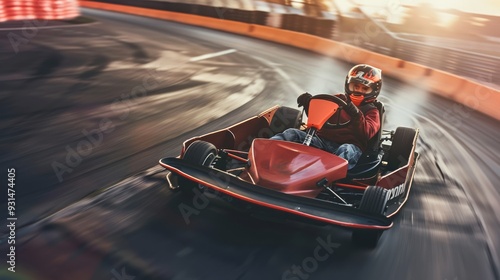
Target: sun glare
<point x="480" y="6"/>
<point x="487" y="7"/>
<point x="445" y="4"/>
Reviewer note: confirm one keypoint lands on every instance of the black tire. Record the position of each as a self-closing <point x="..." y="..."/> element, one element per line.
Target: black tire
<point x="374" y="200"/>
<point x="285" y="117"/>
<point x="198" y="153"/>
<point x="402" y="144"/>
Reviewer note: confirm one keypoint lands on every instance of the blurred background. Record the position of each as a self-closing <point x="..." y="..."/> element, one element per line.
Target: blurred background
<point x="94" y="93"/>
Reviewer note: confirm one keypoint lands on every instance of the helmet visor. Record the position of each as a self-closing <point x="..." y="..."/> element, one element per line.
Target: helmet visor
<point x="359" y="88"/>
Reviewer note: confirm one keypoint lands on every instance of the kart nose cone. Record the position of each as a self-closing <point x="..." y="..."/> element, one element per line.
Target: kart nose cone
<point x="293" y="168"/>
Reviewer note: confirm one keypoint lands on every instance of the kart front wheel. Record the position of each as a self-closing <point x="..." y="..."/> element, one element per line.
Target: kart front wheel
<point x="374" y="200"/>
<point x="198" y="153"/>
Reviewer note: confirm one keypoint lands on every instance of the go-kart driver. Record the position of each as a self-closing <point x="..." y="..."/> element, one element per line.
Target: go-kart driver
<point x="362" y="86"/>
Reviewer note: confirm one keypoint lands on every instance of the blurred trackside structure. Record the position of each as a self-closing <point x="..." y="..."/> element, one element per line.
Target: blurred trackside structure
<point x="12" y="10"/>
<point x="468" y="48"/>
<point x="470" y="92"/>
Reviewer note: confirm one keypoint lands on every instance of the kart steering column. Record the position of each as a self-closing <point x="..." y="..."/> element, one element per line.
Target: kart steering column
<point x="309" y="136"/>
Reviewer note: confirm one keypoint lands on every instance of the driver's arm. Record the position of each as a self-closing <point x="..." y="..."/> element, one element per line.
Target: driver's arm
<point x="368" y="124"/>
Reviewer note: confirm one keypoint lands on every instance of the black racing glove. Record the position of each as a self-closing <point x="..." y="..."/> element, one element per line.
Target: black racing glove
<point x="352" y="110"/>
<point x="303" y="99"/>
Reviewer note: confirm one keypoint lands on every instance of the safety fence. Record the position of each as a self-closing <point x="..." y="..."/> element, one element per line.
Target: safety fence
<point x="479" y="67"/>
<point x="38" y="9"/>
<point x="374" y="36"/>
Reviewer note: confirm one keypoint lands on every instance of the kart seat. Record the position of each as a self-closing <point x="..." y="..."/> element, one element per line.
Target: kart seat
<point x="369" y="162"/>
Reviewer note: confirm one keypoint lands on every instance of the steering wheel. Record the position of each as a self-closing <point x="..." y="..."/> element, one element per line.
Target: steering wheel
<point x="342" y="104"/>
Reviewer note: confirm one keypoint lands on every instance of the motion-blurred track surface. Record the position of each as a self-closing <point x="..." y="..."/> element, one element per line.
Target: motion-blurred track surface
<point x="134" y="88"/>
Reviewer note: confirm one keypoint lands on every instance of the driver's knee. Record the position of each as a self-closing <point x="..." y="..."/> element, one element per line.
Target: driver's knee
<point x="278" y="136"/>
<point x="290" y="134"/>
<point x="349" y="152"/>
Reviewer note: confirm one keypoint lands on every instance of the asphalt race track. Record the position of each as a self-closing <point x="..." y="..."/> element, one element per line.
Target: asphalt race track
<point x="88" y="110"/>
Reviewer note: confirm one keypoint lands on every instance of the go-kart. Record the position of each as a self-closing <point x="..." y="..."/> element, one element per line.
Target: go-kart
<point x="297" y="180"/>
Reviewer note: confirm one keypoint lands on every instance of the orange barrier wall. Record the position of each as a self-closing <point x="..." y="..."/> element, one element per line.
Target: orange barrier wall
<point x="38" y="9"/>
<point x="471" y="94"/>
<point x="480" y="98"/>
<point x="411" y="72"/>
<point x="445" y="83"/>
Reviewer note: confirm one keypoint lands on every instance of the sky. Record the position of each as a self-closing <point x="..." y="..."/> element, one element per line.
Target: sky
<point x="490" y="7"/>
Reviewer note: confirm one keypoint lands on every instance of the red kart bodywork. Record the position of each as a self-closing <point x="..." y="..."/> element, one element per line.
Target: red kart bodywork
<point x="284" y="176"/>
<point x="323" y="110"/>
<point x="293" y="168"/>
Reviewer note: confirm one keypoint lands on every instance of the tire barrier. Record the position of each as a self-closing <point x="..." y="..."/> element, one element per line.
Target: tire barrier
<point x="245" y="16"/>
<point x="315" y="26"/>
<point x="38" y="9"/>
<point x="310" y="25"/>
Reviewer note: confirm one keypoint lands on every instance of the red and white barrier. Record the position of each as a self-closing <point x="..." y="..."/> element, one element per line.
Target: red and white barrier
<point x="38" y="9"/>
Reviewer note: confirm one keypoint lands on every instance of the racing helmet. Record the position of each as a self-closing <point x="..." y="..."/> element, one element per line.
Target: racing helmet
<point x="371" y="80"/>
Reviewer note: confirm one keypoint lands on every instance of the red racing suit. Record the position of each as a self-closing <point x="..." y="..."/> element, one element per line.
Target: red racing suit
<point x="357" y="132"/>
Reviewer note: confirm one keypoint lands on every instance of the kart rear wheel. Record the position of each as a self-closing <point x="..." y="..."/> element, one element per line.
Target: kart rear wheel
<point x="198" y="153"/>
<point x="374" y="200"/>
<point x="285" y="117"/>
<point x="402" y="143"/>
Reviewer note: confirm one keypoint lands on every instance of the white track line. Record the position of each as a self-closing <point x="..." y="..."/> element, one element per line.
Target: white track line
<point x="211" y="55"/>
<point x="290" y="82"/>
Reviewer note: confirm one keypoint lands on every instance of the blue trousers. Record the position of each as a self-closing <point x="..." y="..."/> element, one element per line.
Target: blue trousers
<point x="349" y="152"/>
